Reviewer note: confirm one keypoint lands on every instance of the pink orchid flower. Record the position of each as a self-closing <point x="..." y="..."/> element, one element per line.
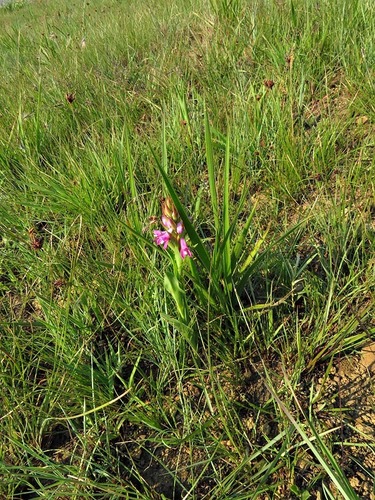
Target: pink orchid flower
<point x="168" y="223"/>
<point x="162" y="238"/>
<point x="180" y="228"/>
<point x="184" y="249"/>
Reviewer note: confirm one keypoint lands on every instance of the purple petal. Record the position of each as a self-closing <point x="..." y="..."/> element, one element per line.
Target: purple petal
<point x="167" y="223"/>
<point x="162" y="238"/>
<point x="184" y="249"/>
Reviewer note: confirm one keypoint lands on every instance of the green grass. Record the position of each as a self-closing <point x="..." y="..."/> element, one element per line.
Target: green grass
<point x="126" y="373"/>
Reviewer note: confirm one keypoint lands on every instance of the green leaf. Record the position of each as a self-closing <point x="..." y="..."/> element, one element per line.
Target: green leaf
<point x="211" y="171"/>
<point x="172" y="286"/>
<point x="184" y="329"/>
<point x="254" y="252"/>
<point x="241" y="239"/>
<point x="227" y="240"/>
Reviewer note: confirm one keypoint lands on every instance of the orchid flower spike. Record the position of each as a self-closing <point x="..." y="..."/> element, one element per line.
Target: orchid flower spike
<point x="173" y="229"/>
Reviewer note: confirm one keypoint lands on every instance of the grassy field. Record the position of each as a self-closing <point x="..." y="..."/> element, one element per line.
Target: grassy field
<point x="244" y="130"/>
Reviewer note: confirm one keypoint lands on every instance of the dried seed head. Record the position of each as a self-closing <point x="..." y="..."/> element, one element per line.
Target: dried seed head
<point x="70" y="97"/>
<point x="269" y="84"/>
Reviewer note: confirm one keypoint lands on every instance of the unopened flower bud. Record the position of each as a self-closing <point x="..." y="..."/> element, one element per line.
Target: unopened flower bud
<point x="168" y="223"/>
<point x="169" y="210"/>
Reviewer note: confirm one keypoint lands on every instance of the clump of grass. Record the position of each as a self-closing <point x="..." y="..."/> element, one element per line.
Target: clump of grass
<point x="123" y="374"/>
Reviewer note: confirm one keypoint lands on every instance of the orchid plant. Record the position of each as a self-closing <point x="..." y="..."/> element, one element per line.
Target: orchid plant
<point x="171" y="237"/>
<point x="222" y="266"/>
<point x="221" y="269"/>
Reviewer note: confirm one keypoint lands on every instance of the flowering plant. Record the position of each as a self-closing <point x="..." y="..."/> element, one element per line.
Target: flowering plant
<point x="223" y="265"/>
<point x="173" y="229"/>
<point x="172" y="237"/>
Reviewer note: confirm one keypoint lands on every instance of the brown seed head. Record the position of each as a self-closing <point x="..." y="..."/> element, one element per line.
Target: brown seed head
<point x="269" y="84"/>
<point x="70" y="97"/>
